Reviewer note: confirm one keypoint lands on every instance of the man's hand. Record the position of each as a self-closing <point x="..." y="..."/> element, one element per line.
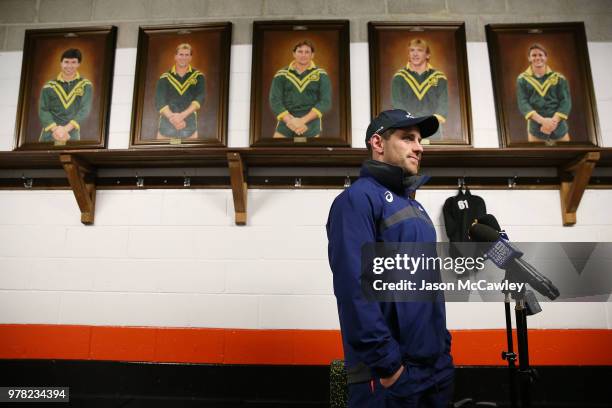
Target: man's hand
<point x="555" y="122"/>
<point x="389" y="381"/>
<point x="301" y="127"/>
<point x="547" y="126"/>
<point x="175" y="118"/>
<point x="545" y="130"/>
<point x="548" y="130"/>
<point x="290" y="121"/>
<point x="60" y="134"/>
<point x="301" y="130"/>
<point x="297" y="125"/>
<point x="57" y="133"/>
<point x="287" y="118"/>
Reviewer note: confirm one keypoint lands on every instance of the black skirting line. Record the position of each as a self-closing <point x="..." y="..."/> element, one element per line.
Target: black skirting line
<point x="125" y="384"/>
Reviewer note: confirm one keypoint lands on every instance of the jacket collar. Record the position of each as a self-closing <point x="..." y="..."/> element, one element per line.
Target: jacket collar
<point x="173" y="70"/>
<point x="529" y="71"/>
<point x="292" y="66"/>
<point x="429" y="67"/>
<point x="392" y="177"/>
<point x="60" y="77"/>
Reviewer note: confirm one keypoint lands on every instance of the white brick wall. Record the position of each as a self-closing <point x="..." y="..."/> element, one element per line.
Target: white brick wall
<point x="157" y="270"/>
<point x="313" y="312"/>
<point x="24" y="306"/>
<point x="240" y="96"/>
<point x="360" y="93"/>
<point x="15" y="273"/>
<point x="267" y="277"/>
<point x="175" y="258"/>
<point x="481" y="96"/>
<point x="10" y="71"/>
<point x="20" y="240"/>
<point x="121" y="104"/>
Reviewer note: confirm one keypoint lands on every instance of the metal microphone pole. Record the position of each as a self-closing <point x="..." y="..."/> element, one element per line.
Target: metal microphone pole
<point x="526" y="373"/>
<point x="525" y="305"/>
<point x="509" y="355"/>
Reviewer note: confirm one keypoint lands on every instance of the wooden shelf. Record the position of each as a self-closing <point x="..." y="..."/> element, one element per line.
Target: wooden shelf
<point x="303" y="156"/>
<point x="575" y="166"/>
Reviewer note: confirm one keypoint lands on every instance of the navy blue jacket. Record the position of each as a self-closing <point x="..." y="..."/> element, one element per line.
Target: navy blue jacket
<point x="378" y="337"/>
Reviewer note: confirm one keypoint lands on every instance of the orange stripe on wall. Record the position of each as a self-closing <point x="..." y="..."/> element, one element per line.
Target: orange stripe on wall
<point x="302" y="347"/>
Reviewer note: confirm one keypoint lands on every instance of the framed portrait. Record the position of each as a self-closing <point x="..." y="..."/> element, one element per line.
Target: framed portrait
<point x="65" y="88"/>
<point x="300" y="84"/>
<point x="181" y="86"/>
<point x="542" y="85"/>
<point x="422" y="69"/>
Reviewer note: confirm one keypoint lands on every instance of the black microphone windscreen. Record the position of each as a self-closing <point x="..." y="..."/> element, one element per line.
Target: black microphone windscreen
<point x="490" y="220"/>
<point x="483" y="233"/>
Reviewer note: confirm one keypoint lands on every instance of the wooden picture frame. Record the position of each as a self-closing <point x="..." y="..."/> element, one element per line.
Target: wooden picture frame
<point x="433" y="81"/>
<point x="197" y="99"/>
<point x="555" y="107"/>
<point x="65" y="89"/>
<point x="316" y="101"/>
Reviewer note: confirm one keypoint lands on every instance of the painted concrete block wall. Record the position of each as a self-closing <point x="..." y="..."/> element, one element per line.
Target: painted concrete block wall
<point x="175" y="258"/>
<point x="19" y="15"/>
<point x="160" y="269"/>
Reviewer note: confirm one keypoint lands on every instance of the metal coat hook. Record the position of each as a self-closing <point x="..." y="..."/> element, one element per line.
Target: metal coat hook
<point x="512" y="182"/>
<point x="27" y="181"/>
<point x="187" y="182"/>
<point x="347" y="182"/>
<point x="298" y="182"/>
<point x="139" y="181"/>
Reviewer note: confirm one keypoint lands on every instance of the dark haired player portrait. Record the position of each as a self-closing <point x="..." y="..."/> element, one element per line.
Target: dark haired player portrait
<point x="65" y="102"/>
<point x="300" y="94"/>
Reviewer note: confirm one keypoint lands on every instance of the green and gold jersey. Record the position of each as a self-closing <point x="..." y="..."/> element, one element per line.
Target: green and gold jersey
<point x="548" y="95"/>
<point x="299" y="93"/>
<point x="62" y="102"/>
<point x="420" y="94"/>
<point x="177" y="93"/>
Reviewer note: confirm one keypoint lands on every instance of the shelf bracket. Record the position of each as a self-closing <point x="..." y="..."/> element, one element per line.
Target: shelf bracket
<point x="239" y="186"/>
<point x="574" y="180"/>
<point x="83" y="188"/>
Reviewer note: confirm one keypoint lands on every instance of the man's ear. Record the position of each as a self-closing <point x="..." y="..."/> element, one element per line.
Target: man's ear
<point x="376" y="141"/>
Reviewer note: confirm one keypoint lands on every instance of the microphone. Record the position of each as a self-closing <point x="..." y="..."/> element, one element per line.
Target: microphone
<point x="507" y="257"/>
<point x="491" y="221"/>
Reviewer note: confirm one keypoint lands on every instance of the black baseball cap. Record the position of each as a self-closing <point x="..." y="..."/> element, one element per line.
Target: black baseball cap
<point x="399" y="118"/>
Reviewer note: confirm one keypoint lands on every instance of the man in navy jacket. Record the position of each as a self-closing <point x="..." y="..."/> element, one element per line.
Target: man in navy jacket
<point x="397" y="354"/>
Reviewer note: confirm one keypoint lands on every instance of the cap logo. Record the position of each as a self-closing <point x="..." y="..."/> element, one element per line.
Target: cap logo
<point x="388" y="196"/>
<point x="409" y="115"/>
<point x="379" y="129"/>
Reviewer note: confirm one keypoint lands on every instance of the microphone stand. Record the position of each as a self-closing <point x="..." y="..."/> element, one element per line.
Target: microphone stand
<point x="510" y="355"/>
<point x="525" y="305"/>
